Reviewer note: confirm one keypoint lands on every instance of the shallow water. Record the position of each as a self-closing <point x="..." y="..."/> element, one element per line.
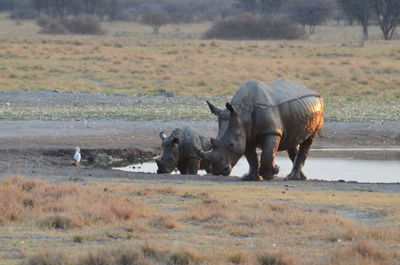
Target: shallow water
<point x="362" y="165"/>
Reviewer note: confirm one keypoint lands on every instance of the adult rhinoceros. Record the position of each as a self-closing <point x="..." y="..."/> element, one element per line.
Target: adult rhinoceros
<point x="179" y="151"/>
<point x="273" y="116"/>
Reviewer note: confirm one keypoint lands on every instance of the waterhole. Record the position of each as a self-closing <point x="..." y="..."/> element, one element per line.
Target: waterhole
<point x="372" y="165"/>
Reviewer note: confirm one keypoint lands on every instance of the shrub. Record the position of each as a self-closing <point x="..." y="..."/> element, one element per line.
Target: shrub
<point x="82" y="24"/>
<point x="57" y="222"/>
<point x="51" y="26"/>
<point x="253" y="27"/>
<point x="274" y="259"/>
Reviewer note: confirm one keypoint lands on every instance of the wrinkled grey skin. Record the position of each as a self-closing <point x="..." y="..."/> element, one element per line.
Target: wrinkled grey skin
<point x="179" y="151"/>
<point x="273" y="116"/>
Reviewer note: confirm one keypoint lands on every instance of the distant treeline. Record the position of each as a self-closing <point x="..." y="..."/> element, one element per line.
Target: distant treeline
<point x="308" y="13"/>
<point x="178" y="10"/>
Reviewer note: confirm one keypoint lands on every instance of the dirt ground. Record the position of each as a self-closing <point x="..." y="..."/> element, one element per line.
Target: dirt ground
<point x="44" y="148"/>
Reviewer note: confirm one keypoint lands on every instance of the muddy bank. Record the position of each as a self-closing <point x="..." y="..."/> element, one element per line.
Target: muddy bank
<point x="33" y="148"/>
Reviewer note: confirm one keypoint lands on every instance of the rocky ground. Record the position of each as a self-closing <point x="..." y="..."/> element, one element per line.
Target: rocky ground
<point x="44" y="147"/>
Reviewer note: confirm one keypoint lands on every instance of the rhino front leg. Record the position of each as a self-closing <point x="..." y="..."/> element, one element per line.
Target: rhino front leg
<point x="269" y="146"/>
<point x="292" y="152"/>
<point x="192" y="166"/>
<point x="301" y="156"/>
<point x="252" y="159"/>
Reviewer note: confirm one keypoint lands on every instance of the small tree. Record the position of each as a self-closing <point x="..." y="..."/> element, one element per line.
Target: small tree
<point x="359" y="10"/>
<point x="155" y="20"/>
<point x="388" y="15"/>
<point x="310" y="12"/>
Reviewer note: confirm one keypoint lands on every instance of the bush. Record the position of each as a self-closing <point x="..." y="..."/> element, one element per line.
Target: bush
<point x="156" y="20"/>
<point x="52" y="26"/>
<point x="253" y="27"/>
<point x="82" y="24"/>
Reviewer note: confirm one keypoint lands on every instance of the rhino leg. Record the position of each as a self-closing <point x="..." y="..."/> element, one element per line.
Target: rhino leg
<point x="269" y="146"/>
<point x="192" y="166"/>
<point x="292" y="152"/>
<point x="252" y="159"/>
<point x="301" y="156"/>
<point x="182" y="169"/>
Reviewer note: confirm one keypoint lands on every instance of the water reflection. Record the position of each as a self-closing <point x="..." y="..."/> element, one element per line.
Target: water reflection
<point x="362" y="165"/>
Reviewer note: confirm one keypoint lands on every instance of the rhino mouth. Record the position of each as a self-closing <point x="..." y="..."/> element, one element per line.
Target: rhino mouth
<point x="226" y="171"/>
<point x="162" y="169"/>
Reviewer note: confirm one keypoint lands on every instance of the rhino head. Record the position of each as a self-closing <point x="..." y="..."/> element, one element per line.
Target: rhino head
<point x="169" y="156"/>
<point x="230" y="144"/>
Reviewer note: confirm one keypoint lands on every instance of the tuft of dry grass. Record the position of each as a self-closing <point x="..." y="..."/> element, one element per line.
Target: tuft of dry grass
<point x="279" y="258"/>
<point x="164" y="222"/>
<point x="64" y="205"/>
<point x="362" y="252"/>
<point x="210" y="210"/>
<point x="56" y="221"/>
<point x="47" y="258"/>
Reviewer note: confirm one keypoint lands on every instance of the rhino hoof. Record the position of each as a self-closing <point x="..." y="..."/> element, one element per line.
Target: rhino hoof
<point x="268" y="174"/>
<point x="296" y="176"/>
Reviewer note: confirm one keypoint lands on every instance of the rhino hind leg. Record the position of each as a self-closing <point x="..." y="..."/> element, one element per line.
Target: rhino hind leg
<point x="269" y="146"/>
<point x="299" y="160"/>
<point x="252" y="159"/>
<point x="292" y="152"/>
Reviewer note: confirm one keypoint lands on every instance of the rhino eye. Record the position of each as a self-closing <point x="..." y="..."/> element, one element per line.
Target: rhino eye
<point x="231" y="144"/>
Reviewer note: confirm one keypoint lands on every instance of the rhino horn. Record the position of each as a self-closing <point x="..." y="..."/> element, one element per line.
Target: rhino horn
<point x="214" y="110"/>
<point x="230" y="108"/>
<point x="163" y="136"/>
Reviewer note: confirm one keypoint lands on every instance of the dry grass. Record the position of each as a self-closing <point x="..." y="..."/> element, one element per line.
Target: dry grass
<point x="195" y="223"/>
<point x="354" y="79"/>
<point x="362" y="252"/>
<point x="64" y="206"/>
<point x="131" y="60"/>
<point x="149" y="254"/>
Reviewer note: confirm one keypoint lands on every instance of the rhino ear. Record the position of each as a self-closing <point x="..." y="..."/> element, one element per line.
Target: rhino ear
<point x="163" y="136"/>
<point x="230" y="108"/>
<point x="214" y="110"/>
<point x="175" y="140"/>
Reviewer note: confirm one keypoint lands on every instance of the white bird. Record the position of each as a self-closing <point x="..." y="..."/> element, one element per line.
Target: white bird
<point x="77" y="157"/>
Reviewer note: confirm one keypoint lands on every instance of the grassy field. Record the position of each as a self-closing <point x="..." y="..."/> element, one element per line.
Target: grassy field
<point x="126" y="61"/>
<point x="192" y="223"/>
<point x="130" y="59"/>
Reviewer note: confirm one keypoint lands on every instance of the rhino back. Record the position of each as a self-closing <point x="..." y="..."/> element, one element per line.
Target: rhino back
<point x="189" y="138"/>
<point x="257" y="93"/>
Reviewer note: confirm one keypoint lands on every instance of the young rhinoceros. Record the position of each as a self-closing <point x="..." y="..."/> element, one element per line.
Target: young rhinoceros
<point x="273" y="116"/>
<point x="178" y="151"/>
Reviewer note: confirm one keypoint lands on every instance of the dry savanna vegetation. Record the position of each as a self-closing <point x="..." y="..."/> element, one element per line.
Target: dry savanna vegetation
<point x="351" y="74"/>
<point x="134" y="223"/>
<point x="127" y="222"/>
